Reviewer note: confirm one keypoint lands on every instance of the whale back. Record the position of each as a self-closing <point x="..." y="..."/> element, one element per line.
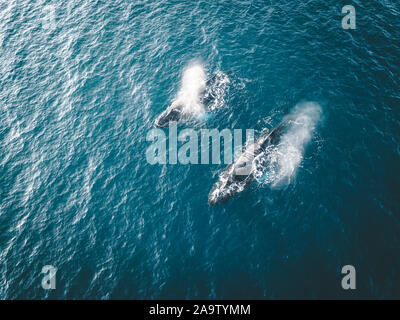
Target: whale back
<point x="272" y="137"/>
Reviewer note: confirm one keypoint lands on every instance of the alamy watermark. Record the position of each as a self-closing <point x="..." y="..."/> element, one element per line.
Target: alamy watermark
<point x="49" y="278"/>
<point x="349" y="280"/>
<point x="349" y="20"/>
<point x="193" y="147"/>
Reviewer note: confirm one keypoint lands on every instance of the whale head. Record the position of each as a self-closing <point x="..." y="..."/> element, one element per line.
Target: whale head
<point x="168" y="117"/>
<point x="218" y="196"/>
<point x="225" y="190"/>
<point x="231" y="182"/>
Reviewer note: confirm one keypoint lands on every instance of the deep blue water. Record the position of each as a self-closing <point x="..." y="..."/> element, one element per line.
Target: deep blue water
<point x="78" y="94"/>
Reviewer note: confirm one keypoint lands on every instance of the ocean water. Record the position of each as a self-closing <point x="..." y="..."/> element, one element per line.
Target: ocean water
<point x="81" y="83"/>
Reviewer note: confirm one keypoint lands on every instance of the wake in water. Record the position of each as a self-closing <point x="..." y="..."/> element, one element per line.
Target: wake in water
<point x="216" y="90"/>
<point x="278" y="165"/>
<point x="194" y="95"/>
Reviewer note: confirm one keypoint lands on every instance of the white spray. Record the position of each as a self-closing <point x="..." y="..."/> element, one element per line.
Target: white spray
<point x="192" y="86"/>
<point x="279" y="164"/>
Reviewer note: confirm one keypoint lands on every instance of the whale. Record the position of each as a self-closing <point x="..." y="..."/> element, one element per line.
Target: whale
<point x="191" y="100"/>
<point x="239" y="174"/>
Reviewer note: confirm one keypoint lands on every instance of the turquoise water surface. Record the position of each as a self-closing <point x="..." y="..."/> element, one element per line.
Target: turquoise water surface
<point x="81" y="83"/>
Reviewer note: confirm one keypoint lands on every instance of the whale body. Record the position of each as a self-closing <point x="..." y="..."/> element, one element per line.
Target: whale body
<point x="274" y="157"/>
<point x="239" y="174"/>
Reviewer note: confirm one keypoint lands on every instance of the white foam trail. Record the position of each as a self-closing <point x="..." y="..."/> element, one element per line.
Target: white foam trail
<point x="278" y="165"/>
<point x="220" y="90"/>
<point x="192" y="86"/>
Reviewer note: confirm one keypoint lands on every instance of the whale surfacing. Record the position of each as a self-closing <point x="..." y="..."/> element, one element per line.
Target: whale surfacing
<point x="273" y="158"/>
<point x="239" y="174"/>
<point x="195" y="93"/>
